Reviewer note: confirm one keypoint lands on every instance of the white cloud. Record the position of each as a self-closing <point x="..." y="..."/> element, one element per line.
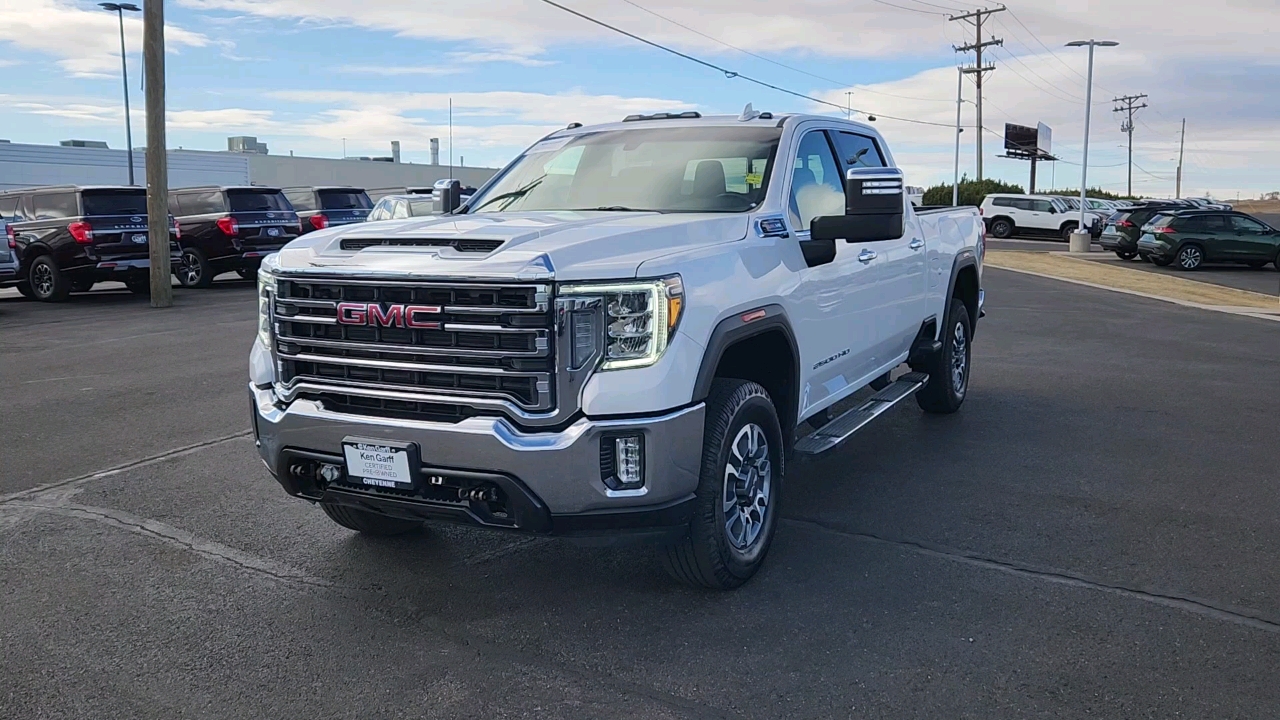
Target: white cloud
<point x="498" y="57"/>
<point x="399" y="70"/>
<point x="86" y="42"/>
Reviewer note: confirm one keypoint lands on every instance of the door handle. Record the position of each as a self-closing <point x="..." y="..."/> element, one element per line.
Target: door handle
<point x="866" y="256"/>
<point x="916" y="244"/>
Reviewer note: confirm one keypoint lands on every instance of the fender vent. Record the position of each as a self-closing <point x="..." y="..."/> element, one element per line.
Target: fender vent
<point x="461" y="245"/>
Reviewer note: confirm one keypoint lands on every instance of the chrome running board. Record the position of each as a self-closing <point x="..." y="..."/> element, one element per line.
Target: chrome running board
<point x="843" y="427"/>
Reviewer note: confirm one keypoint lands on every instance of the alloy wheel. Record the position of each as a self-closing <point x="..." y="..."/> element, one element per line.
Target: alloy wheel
<point x="959" y="359"/>
<point x="42" y="280"/>
<point x="1190" y="257"/>
<point x="189" y="269"/>
<point x="748" y="480"/>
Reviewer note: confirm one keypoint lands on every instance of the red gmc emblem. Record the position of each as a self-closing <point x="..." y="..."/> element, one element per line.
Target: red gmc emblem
<point x="378" y="315"/>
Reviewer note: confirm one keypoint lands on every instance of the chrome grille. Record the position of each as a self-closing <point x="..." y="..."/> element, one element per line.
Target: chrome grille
<point x="484" y="345"/>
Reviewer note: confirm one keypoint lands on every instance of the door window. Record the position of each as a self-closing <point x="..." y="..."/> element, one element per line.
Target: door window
<point x="1003" y="202"/>
<point x="817" y="185"/>
<point x="55" y="206"/>
<point x="1240" y="223"/>
<point x="1043" y="206"/>
<point x="858" y="150"/>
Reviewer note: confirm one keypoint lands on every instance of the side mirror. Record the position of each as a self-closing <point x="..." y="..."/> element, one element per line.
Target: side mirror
<point x="1053" y="210"/>
<point x="874" y="208"/>
<point x="446" y="196"/>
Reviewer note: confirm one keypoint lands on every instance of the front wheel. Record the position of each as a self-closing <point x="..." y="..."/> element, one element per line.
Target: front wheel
<point x="194" y="270"/>
<point x="1126" y="254"/>
<point x="949" y="369"/>
<point x="369" y="523"/>
<point x="1067" y="230"/>
<point x="736" y="503"/>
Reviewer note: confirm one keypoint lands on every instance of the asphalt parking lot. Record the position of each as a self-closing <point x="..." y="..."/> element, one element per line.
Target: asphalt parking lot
<point x="1094" y="534"/>
<point x="1265" y="280"/>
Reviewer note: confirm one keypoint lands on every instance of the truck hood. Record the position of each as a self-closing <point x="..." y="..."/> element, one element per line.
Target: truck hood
<point x="559" y="245"/>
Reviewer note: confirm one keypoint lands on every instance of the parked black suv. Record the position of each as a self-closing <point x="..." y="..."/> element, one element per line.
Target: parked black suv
<point x="322" y="207"/>
<point x="69" y="237"/>
<point x="227" y="229"/>
<point x="1124" y="227"/>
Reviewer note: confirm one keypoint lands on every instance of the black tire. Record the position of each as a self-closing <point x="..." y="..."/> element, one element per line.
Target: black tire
<point x="248" y="273"/>
<point x="25" y="290"/>
<point x="1002" y="228"/>
<point x="1161" y="262"/>
<point x="1190" y="257"/>
<point x="47" y="282"/>
<point x="193" y="269"/>
<point x="740" y="415"/>
<point x="1257" y="264"/>
<point x="949" y="378"/>
<point x="1067" y="229"/>
<point x="139" y="285"/>
<point x="84" y="285"/>
<point x="1144" y="257"/>
<point x="369" y="523"/>
<point x="1126" y="254"/>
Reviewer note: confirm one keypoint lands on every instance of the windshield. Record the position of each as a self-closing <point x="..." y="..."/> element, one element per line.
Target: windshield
<point x="115" y="202"/>
<point x="252" y="201"/>
<point x="678" y="169"/>
<point x="344" y="200"/>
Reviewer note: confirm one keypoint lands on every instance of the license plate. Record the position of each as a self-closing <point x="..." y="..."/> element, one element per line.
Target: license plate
<point x="1111" y="230"/>
<point x="381" y="463"/>
<point x="273" y="232"/>
<point x="140" y="238"/>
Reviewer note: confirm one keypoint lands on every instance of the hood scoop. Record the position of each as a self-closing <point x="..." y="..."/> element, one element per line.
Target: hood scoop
<point x="466" y="245"/>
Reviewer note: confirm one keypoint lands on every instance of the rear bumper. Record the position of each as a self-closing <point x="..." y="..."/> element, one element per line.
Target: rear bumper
<point x="1118" y="242"/>
<point x="549" y="482"/>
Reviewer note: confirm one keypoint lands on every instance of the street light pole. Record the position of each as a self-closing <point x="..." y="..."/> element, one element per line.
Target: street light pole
<point x="118" y="9"/>
<point x="1081" y="238"/>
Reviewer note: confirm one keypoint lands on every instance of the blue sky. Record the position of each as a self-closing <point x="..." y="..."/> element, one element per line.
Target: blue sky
<point x="304" y="74"/>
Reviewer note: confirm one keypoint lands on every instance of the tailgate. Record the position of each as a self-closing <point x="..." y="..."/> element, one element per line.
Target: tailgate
<point x="266" y="229"/>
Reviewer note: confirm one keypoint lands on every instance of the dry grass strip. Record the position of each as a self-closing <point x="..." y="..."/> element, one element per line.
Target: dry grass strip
<point x="1174" y="288"/>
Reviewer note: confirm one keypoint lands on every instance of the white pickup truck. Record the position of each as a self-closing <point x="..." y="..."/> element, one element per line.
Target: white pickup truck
<point x="630" y="330"/>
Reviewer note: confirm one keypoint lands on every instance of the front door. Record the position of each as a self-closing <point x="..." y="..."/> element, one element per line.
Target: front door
<point x="833" y="306"/>
<point x="898" y="272"/>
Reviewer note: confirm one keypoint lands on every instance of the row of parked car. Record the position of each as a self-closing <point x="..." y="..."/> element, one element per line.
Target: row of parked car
<point x="1058" y="216"/>
<point x="65" y="239"/>
<point x="1187" y="237"/>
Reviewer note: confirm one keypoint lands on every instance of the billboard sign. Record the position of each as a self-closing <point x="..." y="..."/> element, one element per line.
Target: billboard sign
<point x="1044" y="139"/>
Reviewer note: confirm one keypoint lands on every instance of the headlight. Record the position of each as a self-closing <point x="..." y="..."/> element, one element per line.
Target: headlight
<point x="640" y="318"/>
<point x="266" y="289"/>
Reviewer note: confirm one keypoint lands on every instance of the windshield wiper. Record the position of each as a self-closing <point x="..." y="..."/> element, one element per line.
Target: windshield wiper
<point x="517" y="193"/>
<point x="612" y="208"/>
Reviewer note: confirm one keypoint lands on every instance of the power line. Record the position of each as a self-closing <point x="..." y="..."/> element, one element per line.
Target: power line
<point x="730" y="74"/>
<point x="758" y="56"/>
<point x="1048" y="90"/>
<point x="910" y="9"/>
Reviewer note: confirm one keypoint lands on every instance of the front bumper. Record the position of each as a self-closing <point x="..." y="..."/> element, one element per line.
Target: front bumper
<point x="550" y="482"/>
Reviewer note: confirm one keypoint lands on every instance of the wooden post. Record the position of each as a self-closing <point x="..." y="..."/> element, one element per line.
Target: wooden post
<point x="158" y="226"/>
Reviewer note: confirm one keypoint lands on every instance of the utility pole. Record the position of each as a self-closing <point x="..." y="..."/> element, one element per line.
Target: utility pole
<point x="976" y="18"/>
<point x="1128" y="104"/>
<point x="955" y="184"/>
<point x="1181" y="145"/>
<point x="157" y="161"/>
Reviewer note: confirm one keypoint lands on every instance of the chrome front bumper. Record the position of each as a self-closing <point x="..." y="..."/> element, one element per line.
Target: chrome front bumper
<point x="562" y="469"/>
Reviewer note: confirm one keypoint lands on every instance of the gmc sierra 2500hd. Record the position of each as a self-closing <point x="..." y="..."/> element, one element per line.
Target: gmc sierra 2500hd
<point x="622" y="332"/>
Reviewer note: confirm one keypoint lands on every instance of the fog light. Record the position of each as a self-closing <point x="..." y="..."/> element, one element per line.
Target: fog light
<point x="622" y="462"/>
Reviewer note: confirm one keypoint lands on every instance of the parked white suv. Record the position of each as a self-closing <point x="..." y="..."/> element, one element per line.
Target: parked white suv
<point x="629" y="330"/>
<point x="1007" y="215"/>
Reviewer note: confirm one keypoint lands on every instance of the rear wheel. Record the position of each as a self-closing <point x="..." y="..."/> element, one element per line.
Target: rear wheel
<point x="1126" y="254"/>
<point x="741" y="479"/>
<point x="369" y="523"/>
<point x="194" y="270"/>
<point x="949" y="369"/>
<point x="47" y="282"/>
<point x="1190" y="257"/>
<point x="1001" y="228"/>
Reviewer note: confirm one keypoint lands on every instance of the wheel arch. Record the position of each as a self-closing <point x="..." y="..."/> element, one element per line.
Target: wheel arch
<point x="965" y="285"/>
<point x="757" y="347"/>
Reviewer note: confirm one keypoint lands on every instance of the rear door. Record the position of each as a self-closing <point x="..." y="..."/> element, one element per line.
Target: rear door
<point x="1038" y="213"/>
<point x="344" y="206"/>
<point x="1210" y="232"/>
<point x="119" y="221"/>
<point x="265" y="218"/>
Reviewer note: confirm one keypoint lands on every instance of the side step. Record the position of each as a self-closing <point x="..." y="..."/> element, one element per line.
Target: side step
<point x="842" y="428"/>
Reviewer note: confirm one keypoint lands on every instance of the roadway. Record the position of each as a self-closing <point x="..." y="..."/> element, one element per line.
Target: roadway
<point x="1093" y="534"/>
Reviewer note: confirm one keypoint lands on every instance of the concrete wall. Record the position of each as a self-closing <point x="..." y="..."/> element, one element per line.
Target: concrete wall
<point x="30" y="165"/>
